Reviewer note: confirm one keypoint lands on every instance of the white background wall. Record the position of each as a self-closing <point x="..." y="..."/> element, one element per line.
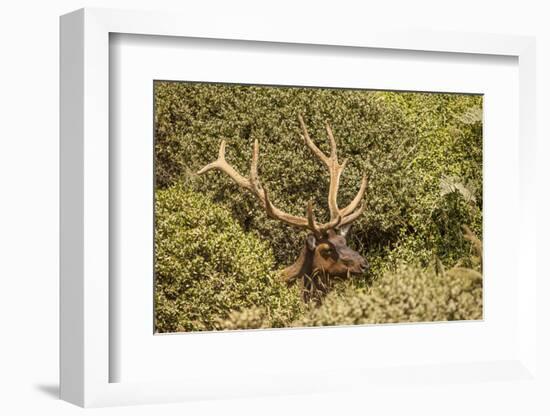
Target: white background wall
<point x="29" y="183"/>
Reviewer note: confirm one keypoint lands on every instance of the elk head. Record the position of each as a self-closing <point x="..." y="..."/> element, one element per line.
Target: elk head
<point x="325" y="252"/>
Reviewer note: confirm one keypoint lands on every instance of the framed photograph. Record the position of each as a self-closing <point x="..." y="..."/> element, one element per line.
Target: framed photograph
<point x="281" y="212"/>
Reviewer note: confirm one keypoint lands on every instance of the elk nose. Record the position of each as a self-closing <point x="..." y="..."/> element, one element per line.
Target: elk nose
<point x="364" y="265"/>
<point x="347" y="262"/>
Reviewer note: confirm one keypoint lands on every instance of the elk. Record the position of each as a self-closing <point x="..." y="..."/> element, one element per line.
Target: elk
<point x="325" y="252"/>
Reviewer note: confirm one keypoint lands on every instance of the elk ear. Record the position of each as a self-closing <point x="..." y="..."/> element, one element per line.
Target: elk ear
<point x="325" y="250"/>
<point x="311" y="242"/>
<point x="344" y="229"/>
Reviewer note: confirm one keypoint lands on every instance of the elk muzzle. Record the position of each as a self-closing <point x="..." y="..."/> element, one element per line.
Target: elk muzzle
<point x="332" y="256"/>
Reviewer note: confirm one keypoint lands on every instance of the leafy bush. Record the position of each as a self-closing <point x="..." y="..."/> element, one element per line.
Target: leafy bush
<point x="407" y="143"/>
<point x="447" y="171"/>
<point x="407" y="294"/>
<point x="217" y="251"/>
<point x="207" y="266"/>
<point x="256" y="317"/>
<point x="410" y="294"/>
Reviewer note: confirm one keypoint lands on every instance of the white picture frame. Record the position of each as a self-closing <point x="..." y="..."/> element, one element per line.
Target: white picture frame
<point x="85" y="355"/>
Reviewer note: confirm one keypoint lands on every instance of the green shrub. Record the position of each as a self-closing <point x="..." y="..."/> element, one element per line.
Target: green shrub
<point x="409" y="294"/>
<point x="207" y="266"/>
<point x="193" y="118"/>
<point x="407" y="143"/>
<point x="447" y="171"/>
<point x="217" y="251"/>
<point x="256" y="317"/>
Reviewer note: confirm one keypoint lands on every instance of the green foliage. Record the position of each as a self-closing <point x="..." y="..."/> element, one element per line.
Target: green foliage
<point x="200" y="115"/>
<point x="406" y="143"/>
<point x="410" y="294"/>
<point x="256" y="317"/>
<point x="423" y="157"/>
<point x="447" y="171"/>
<point x="207" y="266"/>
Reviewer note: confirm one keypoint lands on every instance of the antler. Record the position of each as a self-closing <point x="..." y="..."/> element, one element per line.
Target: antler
<point x="337" y="217"/>
<point x="350" y="213"/>
<point x="254" y="186"/>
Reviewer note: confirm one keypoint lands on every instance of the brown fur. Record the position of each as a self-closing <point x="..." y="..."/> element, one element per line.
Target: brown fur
<point x="321" y="261"/>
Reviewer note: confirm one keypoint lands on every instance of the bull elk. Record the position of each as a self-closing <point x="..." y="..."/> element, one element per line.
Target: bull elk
<point x="325" y="252"/>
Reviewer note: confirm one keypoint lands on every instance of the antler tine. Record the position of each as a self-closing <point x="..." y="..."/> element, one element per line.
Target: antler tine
<point x="276" y="214"/>
<point x="216" y="163"/>
<point x="332" y="224"/>
<point x="317" y="229"/>
<point x="254" y="180"/>
<point x="354" y="215"/>
<point x="335" y="169"/>
<point x="253" y="185"/>
<point x="358" y="198"/>
<point x="312" y="225"/>
<point x="313" y="147"/>
<point x="221" y="152"/>
<point x="333" y="155"/>
<point x="223" y="166"/>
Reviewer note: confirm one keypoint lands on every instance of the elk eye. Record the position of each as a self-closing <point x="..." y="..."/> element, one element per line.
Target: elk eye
<point x="326" y="252"/>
